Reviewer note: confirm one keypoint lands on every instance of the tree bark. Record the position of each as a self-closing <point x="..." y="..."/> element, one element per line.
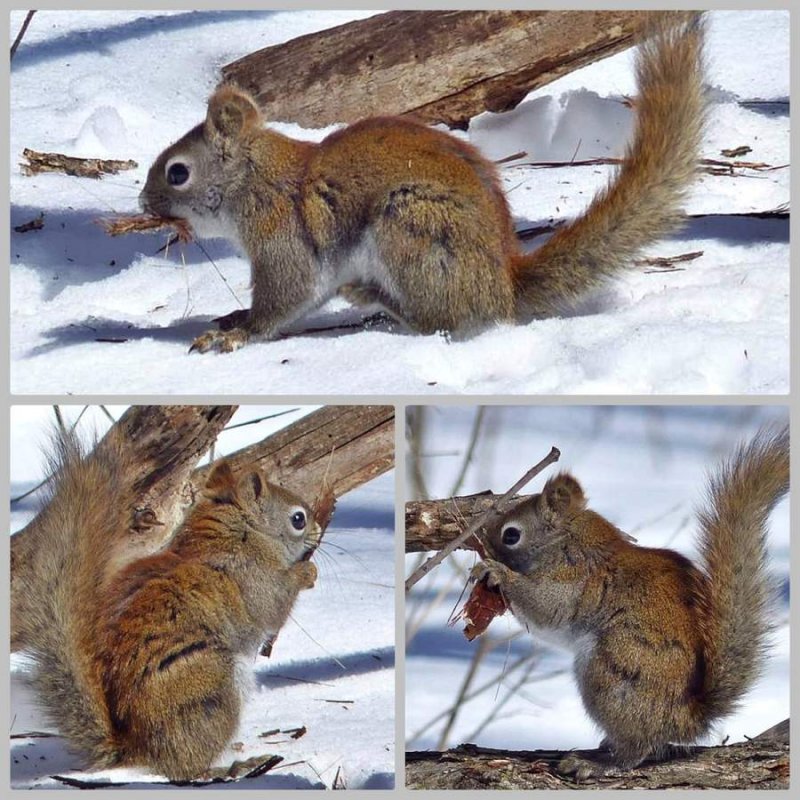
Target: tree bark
<point x="760" y="763"/>
<point x="440" y="66"/>
<point x="431" y="524"/>
<point x="338" y="448"/>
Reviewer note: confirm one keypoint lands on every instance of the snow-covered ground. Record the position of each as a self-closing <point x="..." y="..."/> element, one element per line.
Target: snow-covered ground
<point x="332" y="667"/>
<point x="124" y="84"/>
<point x="643" y="469"/>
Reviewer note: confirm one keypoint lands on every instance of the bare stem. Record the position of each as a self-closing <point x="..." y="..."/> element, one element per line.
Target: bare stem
<point x="498" y="508"/>
<point x="28" y="18"/>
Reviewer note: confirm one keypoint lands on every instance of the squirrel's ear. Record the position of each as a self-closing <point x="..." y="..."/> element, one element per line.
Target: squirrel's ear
<point x="231" y="112"/>
<point x="253" y="485"/>
<point x="221" y="483"/>
<point x="563" y="494"/>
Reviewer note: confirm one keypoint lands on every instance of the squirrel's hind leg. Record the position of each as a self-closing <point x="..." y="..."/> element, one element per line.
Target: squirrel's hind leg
<point x="445" y="268"/>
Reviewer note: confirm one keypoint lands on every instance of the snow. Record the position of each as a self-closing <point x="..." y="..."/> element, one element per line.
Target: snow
<point x="90" y="314"/>
<point x="644" y="469"/>
<point x="337" y="646"/>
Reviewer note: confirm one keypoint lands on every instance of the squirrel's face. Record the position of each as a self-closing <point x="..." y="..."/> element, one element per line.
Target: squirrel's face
<point x="291" y="521"/>
<point x="197" y="178"/>
<point x="267" y="518"/>
<point x="523" y="534"/>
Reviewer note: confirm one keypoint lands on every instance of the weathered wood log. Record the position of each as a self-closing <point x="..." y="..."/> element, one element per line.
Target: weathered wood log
<point x="341" y="447"/>
<point x="440" y="66"/>
<point x="431" y="524"/>
<point x="166" y="442"/>
<point x="760" y="763"/>
<point x="337" y="448"/>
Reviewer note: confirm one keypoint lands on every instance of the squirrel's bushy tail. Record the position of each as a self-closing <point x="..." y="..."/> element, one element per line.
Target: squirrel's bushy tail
<point x="641" y="204"/>
<point x="738" y="591"/>
<point x="87" y="507"/>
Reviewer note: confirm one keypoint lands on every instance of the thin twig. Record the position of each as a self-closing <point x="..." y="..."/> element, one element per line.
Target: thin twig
<point x="473" y="440"/>
<point x="219" y="273"/>
<point x="482" y="649"/>
<point x="512" y="157"/>
<point x="497" y="707"/>
<point x="781" y="212"/>
<point x="482" y="520"/>
<point x="417" y="418"/>
<point x="22" y="30"/>
<point x="260" y="419"/>
<point x="497" y="678"/>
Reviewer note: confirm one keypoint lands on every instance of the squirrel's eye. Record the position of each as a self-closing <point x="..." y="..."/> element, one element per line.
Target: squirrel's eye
<point x="299" y="520"/>
<point x="177" y="174"/>
<point x="511" y="536"/>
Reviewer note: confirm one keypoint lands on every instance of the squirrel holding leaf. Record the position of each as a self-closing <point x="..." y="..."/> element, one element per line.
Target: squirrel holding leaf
<point x="663" y="647"/>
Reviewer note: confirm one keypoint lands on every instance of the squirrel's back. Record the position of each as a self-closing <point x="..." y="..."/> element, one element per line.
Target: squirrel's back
<point x="90" y="502"/>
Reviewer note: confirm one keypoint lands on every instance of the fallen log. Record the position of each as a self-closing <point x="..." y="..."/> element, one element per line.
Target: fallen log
<point x="440" y="66"/>
<point x="759" y="763"/>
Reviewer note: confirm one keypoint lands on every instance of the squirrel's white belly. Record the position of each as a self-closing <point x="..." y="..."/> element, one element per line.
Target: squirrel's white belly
<point x="564" y="638"/>
<point x="362" y="264"/>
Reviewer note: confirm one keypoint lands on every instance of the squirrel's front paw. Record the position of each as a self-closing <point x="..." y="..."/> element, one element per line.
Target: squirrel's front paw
<point x="221" y="341"/>
<point x="494" y="572"/>
<point x="306" y="574"/>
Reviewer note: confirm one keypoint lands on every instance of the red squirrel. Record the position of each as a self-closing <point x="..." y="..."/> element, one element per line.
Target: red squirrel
<point x="393" y="212"/>
<point x="663" y="647"/>
<point x="139" y="666"/>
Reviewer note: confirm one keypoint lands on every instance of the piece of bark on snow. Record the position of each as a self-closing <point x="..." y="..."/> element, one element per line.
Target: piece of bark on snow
<point x="72" y="165"/>
<point x="441" y="66"/>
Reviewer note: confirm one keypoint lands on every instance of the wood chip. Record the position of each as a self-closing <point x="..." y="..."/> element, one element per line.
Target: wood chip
<point x="736" y="152"/>
<point x="266" y="648"/>
<point x="34" y="225"/>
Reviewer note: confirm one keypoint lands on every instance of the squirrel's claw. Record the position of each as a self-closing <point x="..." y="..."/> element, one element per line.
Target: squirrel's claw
<point x="221" y="341"/>
<point x="493" y="571"/>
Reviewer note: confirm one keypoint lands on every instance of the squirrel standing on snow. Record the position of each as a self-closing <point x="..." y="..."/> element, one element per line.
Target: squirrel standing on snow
<point x="139" y="666"/>
<point x="663" y="648"/>
<point x="393" y="212"/>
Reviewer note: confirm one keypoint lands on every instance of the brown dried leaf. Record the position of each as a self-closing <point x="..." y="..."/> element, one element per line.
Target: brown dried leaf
<point x="142" y="223"/>
<point x="324" y="507"/>
<point x="482" y="606"/>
